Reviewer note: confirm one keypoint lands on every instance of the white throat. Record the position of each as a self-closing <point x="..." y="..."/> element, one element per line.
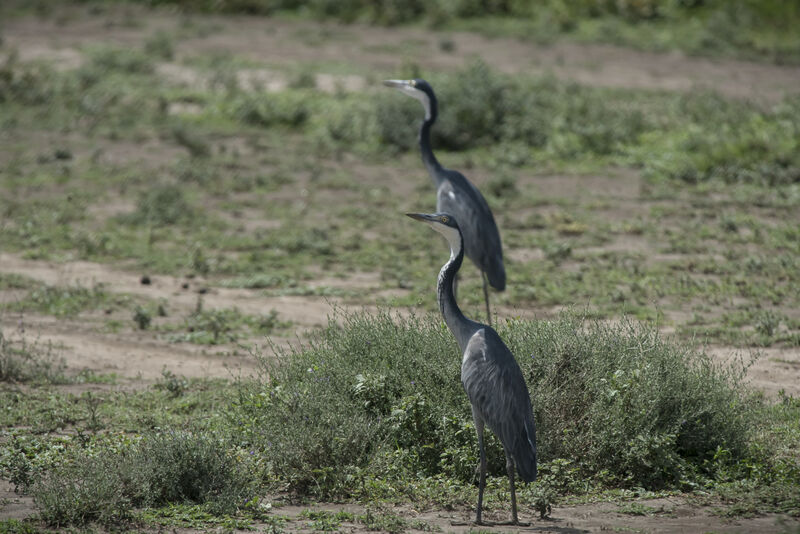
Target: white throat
<point x="422" y="97"/>
<point x="452" y="236"/>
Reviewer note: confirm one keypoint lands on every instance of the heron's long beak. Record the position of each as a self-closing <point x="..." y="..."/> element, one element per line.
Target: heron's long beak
<point x="397" y="84"/>
<point x="424" y="217"/>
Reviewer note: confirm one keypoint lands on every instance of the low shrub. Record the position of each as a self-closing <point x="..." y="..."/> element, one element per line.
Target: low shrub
<point x="90" y="489"/>
<point x="383" y="393"/>
<point x="26" y="83"/>
<point x="270" y="109"/>
<point x="162" y="468"/>
<point x="127" y="60"/>
<point x="161" y="204"/>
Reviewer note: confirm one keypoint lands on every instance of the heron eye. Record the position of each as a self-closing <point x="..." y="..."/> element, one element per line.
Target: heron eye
<point x="444" y="219"/>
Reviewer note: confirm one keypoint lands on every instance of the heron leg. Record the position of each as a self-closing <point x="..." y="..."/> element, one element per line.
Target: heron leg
<point x="486" y="297"/>
<point x="510" y="468"/>
<point x="481" y="466"/>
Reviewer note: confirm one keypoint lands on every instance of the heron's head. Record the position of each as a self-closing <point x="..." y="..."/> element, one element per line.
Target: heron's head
<point x="416" y="88"/>
<point x="443" y="223"/>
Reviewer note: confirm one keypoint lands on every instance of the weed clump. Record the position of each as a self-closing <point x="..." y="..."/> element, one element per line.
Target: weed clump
<point x="124" y="60"/>
<point x="163" y="204"/>
<point x="22" y="361"/>
<point x="25" y="83"/>
<point x="162" y="468"/>
<point x="62" y="301"/>
<point x="382" y="395"/>
<point x="266" y="110"/>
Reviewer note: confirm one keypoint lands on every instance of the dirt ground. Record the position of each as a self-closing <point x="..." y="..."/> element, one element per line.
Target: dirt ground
<point x="138" y="357"/>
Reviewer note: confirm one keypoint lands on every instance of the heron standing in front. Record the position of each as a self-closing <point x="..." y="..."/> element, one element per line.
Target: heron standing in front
<point x="490" y="375"/>
<point x="459" y="197"/>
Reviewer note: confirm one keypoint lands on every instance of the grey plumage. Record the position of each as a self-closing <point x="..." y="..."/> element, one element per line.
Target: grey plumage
<point x="490" y="375"/>
<point x="459" y="197"/>
<point x="495" y="387"/>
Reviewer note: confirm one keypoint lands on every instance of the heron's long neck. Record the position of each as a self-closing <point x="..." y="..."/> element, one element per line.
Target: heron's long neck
<point x="428" y="158"/>
<point x="461" y="327"/>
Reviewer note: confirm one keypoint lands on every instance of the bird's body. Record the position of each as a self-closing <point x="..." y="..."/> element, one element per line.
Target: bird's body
<point x="484" y="247"/>
<point x="489" y="366"/>
<point x="490" y="375"/>
<point x="456" y="195"/>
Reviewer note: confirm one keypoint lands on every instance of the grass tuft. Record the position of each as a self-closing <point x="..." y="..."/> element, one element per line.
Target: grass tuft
<point x="23" y="361"/>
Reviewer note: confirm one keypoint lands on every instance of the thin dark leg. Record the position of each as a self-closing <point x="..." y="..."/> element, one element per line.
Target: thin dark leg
<point x="481" y="467"/>
<point x="510" y="469"/>
<point x="486" y="298"/>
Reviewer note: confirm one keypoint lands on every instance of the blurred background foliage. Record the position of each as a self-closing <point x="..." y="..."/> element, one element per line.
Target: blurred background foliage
<point x="753" y="28"/>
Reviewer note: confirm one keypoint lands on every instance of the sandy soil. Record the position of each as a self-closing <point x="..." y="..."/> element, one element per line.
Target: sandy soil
<point x="141" y="354"/>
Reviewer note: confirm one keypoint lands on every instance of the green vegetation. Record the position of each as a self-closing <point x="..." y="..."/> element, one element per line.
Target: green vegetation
<point x="694" y="137"/>
<point x="750" y="28"/>
<point x="400" y="430"/>
<point x="678" y="209"/>
<point x="223" y="326"/>
<point x="159" y="469"/>
<point x="62" y="301"/>
<point x="706" y="160"/>
<point x="396" y="383"/>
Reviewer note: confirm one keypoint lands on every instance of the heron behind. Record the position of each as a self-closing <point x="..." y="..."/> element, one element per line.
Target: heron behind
<point x="458" y="196"/>
<point x="490" y="375"/>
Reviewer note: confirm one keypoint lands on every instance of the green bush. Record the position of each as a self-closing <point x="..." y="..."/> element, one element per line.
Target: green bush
<point x="163" y="468"/>
<point x="622" y="400"/>
<point x="478" y="107"/>
<point x="384" y="394"/>
<point x="162" y="204"/>
<point x="472" y="104"/>
<point x="270" y="109"/>
<point x="160" y="45"/>
<point x="30" y="84"/>
<point x="90" y="489"/>
<point x="181" y="466"/>
<point x="126" y="60"/>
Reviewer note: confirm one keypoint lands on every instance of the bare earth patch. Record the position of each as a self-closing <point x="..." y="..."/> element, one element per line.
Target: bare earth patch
<point x="674" y="515"/>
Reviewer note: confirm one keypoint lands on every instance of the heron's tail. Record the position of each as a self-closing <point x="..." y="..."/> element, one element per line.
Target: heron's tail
<point x="525" y="452"/>
<point x="497" y="274"/>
